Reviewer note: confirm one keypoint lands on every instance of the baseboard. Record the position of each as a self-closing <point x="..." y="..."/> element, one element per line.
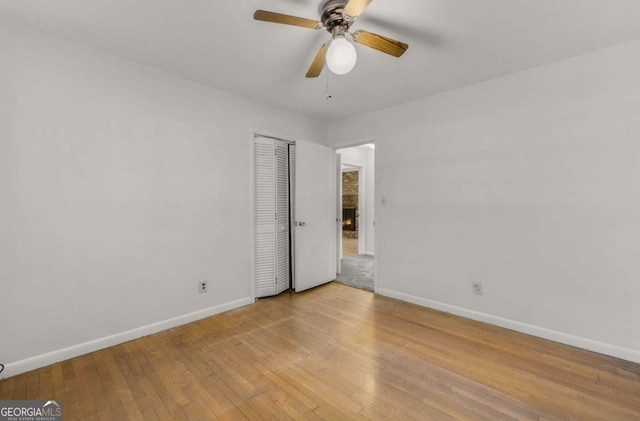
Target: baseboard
<point x="43" y="360"/>
<point x="561" y="337"/>
<point x="369" y="253"/>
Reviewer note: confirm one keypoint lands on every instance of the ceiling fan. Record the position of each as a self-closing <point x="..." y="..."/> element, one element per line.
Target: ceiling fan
<point x="337" y="16"/>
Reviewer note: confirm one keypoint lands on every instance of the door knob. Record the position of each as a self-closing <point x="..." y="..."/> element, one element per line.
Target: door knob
<point x="301" y="223"/>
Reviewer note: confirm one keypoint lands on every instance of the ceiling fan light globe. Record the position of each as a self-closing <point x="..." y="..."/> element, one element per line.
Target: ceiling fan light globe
<point x="341" y="56"/>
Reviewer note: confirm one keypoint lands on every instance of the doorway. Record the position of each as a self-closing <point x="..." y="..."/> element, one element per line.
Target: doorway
<point x="357" y="201"/>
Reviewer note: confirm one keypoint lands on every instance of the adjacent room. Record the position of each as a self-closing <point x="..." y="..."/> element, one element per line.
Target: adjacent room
<point x="356" y="242"/>
<point x="331" y="209"/>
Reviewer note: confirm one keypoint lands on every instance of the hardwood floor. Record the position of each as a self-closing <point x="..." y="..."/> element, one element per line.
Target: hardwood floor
<point x="349" y="247"/>
<point x="340" y="353"/>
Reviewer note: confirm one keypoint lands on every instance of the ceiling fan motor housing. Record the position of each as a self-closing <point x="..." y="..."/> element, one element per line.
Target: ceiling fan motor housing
<point x="332" y="17"/>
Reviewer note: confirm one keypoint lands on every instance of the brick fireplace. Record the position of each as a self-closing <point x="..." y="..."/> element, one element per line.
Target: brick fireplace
<point x="350" y="204"/>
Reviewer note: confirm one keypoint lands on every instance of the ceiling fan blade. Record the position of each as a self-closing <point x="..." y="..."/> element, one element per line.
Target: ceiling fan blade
<point x="380" y="43"/>
<point x="355" y="7"/>
<point x="319" y="61"/>
<point x="266" y="16"/>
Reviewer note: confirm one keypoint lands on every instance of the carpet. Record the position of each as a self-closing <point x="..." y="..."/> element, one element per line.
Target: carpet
<point x="357" y="271"/>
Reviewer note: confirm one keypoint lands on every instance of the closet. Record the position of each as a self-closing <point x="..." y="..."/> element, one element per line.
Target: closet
<point x="294" y="215"/>
<point x="273" y="215"/>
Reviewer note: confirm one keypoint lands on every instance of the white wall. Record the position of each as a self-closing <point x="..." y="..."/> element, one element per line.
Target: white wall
<point x="365" y="159"/>
<point x="121" y="187"/>
<point x="529" y="183"/>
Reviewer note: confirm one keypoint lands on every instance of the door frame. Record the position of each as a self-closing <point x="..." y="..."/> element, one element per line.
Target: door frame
<point x="376" y="205"/>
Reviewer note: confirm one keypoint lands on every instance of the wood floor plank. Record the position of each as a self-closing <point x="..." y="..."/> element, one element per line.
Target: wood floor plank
<point x="349" y="247"/>
<point x="336" y="352"/>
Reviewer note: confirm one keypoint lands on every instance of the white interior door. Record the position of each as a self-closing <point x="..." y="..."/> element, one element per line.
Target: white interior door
<point x="282" y="216"/>
<point x="271" y="216"/>
<point x="264" y="217"/>
<point x="292" y="212"/>
<point x="315" y="195"/>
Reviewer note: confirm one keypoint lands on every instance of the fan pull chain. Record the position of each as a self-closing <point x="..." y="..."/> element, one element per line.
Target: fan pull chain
<point x="328" y="91"/>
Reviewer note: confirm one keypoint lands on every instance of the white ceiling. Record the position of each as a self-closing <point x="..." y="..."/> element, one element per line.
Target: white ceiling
<point x="453" y="43"/>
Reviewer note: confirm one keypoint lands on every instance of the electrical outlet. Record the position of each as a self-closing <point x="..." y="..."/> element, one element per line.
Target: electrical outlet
<point x="202" y="286"/>
<point x="477" y="288"/>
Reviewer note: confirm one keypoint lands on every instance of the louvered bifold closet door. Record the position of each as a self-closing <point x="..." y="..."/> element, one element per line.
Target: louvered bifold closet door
<point x="282" y="216"/>
<point x="264" y="217"/>
<point x="292" y="214"/>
